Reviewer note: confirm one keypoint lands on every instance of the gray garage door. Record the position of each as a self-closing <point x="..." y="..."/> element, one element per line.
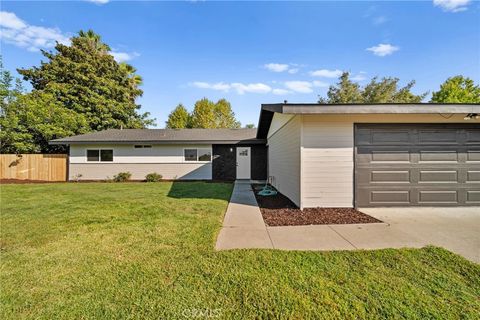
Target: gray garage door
<point x="417" y="165"/>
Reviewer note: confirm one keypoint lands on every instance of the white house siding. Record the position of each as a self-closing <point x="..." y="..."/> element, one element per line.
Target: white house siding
<point x="166" y="160"/>
<point x="328" y="154"/>
<point x="284" y="158"/>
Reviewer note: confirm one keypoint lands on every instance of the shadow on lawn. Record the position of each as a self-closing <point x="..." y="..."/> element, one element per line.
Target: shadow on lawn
<point x="200" y="190"/>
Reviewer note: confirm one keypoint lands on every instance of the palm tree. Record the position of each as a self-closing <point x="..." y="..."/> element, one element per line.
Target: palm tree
<point x="94" y="40"/>
<point x="134" y="79"/>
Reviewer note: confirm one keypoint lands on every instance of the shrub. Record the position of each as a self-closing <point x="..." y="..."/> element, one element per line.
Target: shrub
<point x="122" y="176"/>
<point x="153" y="177"/>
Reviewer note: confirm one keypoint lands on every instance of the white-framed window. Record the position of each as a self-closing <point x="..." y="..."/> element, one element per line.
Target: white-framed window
<point x="197" y="154"/>
<point x="142" y="146"/>
<point x="99" y="155"/>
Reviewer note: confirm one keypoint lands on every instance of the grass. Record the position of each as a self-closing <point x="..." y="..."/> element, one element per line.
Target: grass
<point x="145" y="251"/>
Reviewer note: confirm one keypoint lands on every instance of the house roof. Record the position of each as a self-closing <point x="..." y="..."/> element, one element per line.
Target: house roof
<point x="165" y="136"/>
<point x="268" y="110"/>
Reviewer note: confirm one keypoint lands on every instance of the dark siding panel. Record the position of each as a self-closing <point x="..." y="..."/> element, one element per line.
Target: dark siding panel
<point x="224" y="166"/>
<point x="259" y="162"/>
<point x="224" y="162"/>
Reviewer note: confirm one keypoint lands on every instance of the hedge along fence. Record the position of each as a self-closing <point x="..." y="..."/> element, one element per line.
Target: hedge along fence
<point x="46" y="167"/>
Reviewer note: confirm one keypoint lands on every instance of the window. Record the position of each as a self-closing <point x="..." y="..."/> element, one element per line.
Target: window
<point x="142" y="146"/>
<point x="203" y="155"/>
<point x="102" y="155"/>
<point x="106" y="155"/>
<point x="190" y="154"/>
<point x="93" y="155"/>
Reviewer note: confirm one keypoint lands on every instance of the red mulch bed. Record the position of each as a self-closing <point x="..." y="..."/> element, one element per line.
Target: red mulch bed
<point x="278" y="210"/>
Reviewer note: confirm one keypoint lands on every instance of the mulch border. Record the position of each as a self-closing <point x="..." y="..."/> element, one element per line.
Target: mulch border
<point x="278" y="210"/>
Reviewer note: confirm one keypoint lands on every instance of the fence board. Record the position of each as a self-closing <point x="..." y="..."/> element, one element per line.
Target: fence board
<point x="46" y="167"/>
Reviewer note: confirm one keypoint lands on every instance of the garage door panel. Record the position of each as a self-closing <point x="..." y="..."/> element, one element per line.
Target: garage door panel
<point x="473" y="156"/>
<point x="440" y="166"/>
<point x="438" y="156"/>
<point x="473" y="176"/>
<point x="450" y="176"/>
<point x="472" y="136"/>
<point x="437" y="196"/>
<point x="440" y="136"/>
<point x="473" y="196"/>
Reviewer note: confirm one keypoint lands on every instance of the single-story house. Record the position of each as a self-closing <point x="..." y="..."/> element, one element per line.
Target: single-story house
<point x="317" y="155"/>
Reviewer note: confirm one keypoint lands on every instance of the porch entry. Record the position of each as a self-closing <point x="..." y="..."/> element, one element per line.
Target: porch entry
<point x="243" y="162"/>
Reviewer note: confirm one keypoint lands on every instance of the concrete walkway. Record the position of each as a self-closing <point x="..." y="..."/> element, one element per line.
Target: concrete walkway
<point x="243" y="225"/>
<point x="456" y="229"/>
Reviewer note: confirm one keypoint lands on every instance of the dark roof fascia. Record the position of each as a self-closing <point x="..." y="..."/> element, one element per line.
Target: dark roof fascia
<point x="157" y="142"/>
<point x="267" y="110"/>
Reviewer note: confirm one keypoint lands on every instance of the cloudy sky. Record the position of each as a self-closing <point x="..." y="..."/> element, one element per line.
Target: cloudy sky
<point x="256" y="52"/>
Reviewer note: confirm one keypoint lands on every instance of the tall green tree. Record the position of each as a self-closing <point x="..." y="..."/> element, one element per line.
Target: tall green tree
<point x="179" y="118"/>
<point x="457" y="89"/>
<point x="29" y="120"/>
<point x="384" y="90"/>
<point x="224" y="115"/>
<point x="205" y="114"/>
<point x="84" y="78"/>
<point x="345" y="91"/>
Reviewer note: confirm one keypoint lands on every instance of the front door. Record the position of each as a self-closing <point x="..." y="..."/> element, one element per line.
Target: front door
<point x="243" y="162"/>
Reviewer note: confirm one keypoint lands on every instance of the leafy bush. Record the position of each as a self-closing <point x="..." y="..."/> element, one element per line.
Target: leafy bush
<point x="153" y="177"/>
<point x="122" y="176"/>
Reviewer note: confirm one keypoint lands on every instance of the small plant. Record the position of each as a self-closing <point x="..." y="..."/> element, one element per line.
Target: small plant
<point x="153" y="177"/>
<point x="77" y="177"/>
<point x="122" y="177"/>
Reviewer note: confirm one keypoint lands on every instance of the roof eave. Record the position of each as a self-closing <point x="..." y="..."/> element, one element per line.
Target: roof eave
<point x="157" y="142"/>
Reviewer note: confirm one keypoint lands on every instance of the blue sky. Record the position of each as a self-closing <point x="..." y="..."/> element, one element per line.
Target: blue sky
<point x="256" y="52"/>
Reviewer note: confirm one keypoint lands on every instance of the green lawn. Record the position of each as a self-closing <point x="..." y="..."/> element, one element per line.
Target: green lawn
<point x="145" y="251"/>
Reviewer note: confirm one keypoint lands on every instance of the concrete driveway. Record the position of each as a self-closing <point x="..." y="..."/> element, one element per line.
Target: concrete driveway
<point x="456" y="229"/>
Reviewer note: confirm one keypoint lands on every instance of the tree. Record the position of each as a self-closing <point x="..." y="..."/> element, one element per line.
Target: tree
<point x="345" y="91"/>
<point x="29" y="120"/>
<point x="13" y="133"/>
<point x="203" y="115"/>
<point x="85" y="79"/>
<point x="385" y="90"/>
<point x="457" y="89"/>
<point x="207" y="114"/>
<point x="224" y="115"/>
<point x="179" y="118"/>
<point x="250" y="126"/>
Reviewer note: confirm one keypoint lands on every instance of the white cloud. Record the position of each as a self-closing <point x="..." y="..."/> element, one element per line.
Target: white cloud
<point x="383" y="49"/>
<point x="220" y="86"/>
<point x="325" y="73"/>
<point x="452" y="5"/>
<point x="293" y="70"/>
<point x="251" y="87"/>
<point x="299" y="86"/>
<point x="282" y="67"/>
<point x="321" y="84"/>
<point x="123" y="56"/>
<point x="276" y="67"/>
<point x="304" y="86"/>
<point x="379" y="20"/>
<point x="15" y="31"/>
<point x="240" y="88"/>
<point x="99" y="1"/>
<point x="281" y="91"/>
<point x="359" y="77"/>
<point x="10" y="20"/>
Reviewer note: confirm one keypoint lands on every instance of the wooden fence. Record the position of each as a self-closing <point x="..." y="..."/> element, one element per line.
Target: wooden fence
<point x="46" y="167"/>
